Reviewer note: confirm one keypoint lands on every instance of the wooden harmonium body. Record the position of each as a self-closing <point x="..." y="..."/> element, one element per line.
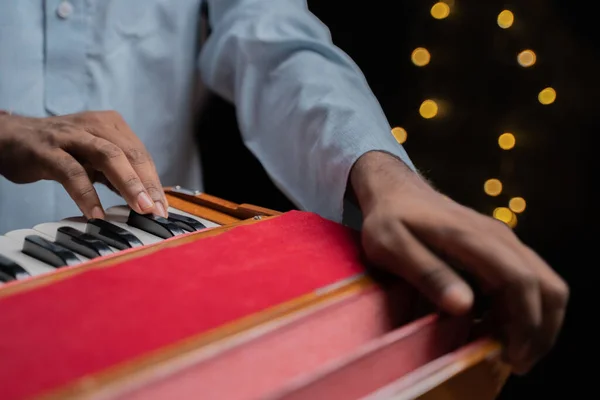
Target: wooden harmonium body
<point x="243" y="303"/>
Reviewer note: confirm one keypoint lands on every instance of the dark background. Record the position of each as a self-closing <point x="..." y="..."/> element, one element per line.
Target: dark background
<point x="475" y="74"/>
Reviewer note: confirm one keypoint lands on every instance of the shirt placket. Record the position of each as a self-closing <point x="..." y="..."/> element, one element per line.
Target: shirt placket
<point x="66" y="78"/>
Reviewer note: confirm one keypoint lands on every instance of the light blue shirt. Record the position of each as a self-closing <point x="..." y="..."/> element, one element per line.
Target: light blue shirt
<point x="304" y="108"/>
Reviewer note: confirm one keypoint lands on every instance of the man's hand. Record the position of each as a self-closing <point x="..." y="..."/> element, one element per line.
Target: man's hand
<point x="422" y="236"/>
<point x="78" y="150"/>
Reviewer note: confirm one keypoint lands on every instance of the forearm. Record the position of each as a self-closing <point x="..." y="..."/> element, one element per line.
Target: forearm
<point x="304" y="108"/>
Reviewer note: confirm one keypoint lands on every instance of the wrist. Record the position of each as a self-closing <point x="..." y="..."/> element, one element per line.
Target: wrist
<point x="378" y="176"/>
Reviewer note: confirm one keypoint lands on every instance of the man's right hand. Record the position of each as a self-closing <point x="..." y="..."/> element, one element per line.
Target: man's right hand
<point x="78" y="150"/>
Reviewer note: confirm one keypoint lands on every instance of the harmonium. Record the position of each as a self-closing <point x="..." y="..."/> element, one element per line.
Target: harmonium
<point x="223" y="301"/>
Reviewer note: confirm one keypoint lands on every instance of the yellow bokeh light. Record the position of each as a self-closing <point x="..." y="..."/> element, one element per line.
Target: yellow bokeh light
<point x="492" y="187"/>
<point x="505" y="19"/>
<point x="547" y="96"/>
<point x="428" y="109"/>
<point x="517" y="204"/>
<point x="505" y="215"/>
<point x="420" y="57"/>
<point x="506" y="141"/>
<point x="440" y="10"/>
<point x="526" y="58"/>
<point x="399" y="134"/>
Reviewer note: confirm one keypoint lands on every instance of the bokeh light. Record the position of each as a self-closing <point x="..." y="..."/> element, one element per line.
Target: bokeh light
<point x="440" y="10"/>
<point x="428" y="109"/>
<point x="547" y="96"/>
<point x="526" y="58"/>
<point x="492" y="187"/>
<point x="517" y="204"/>
<point x="506" y="141"/>
<point x="399" y="134"/>
<point x="420" y="56"/>
<point x="505" y="19"/>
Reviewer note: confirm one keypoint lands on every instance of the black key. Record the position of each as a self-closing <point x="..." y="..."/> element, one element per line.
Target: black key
<point x="82" y="243"/>
<point x="48" y="252"/>
<point x="187" y="223"/>
<point x="154" y="224"/>
<point x="13" y="269"/>
<point x="112" y="234"/>
<point x="5" y="277"/>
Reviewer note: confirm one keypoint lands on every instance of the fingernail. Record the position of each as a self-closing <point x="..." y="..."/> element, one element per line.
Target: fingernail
<point x="160" y="210"/>
<point x="144" y="201"/>
<point x="97" y="213"/>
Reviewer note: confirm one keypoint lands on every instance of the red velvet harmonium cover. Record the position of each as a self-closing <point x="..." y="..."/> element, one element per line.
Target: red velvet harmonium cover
<point x="282" y="308"/>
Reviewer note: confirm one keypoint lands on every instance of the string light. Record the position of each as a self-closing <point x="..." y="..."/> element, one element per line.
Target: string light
<point x="547" y="96"/>
<point x="420" y="56"/>
<point x="440" y="10"/>
<point x="506" y="141"/>
<point x="399" y="134"/>
<point x="428" y="109"/>
<point x="505" y="215"/>
<point x="526" y="58"/>
<point x="517" y="204"/>
<point x="492" y="187"/>
<point x="505" y="19"/>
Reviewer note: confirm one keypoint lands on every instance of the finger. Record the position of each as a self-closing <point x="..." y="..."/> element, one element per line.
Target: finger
<point x="555" y="297"/>
<point x="397" y="250"/>
<point x="502" y="270"/>
<point x="144" y="167"/>
<point x="109" y="159"/>
<point x="72" y="175"/>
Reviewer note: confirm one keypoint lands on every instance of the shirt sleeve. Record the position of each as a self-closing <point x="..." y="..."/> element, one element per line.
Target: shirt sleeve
<point x="304" y="108"/>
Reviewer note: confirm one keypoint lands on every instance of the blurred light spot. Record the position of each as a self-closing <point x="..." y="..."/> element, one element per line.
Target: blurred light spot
<point x="517" y="204"/>
<point x="506" y="141"/>
<point x="547" y="96"/>
<point x="428" y="109"/>
<point x="420" y="57"/>
<point x="492" y="187"/>
<point x="505" y="215"/>
<point x="526" y="58"/>
<point x="440" y="10"/>
<point x="400" y="134"/>
<point x="513" y="222"/>
<point x="505" y="19"/>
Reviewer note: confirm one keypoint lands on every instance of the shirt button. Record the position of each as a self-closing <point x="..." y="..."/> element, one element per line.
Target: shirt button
<point x="64" y="10"/>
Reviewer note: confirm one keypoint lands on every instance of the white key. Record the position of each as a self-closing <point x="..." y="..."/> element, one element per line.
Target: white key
<point x="11" y="248"/>
<point x="207" y="223"/>
<point x="118" y="215"/>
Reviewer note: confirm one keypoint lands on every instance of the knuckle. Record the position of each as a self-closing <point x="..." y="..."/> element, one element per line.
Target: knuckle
<point x="88" y="118"/>
<point x="455" y="232"/>
<point x="522" y="280"/>
<point x="378" y="234"/>
<point x="436" y="278"/>
<point x="136" y="156"/>
<point x="111" y="116"/>
<point x="85" y="192"/>
<point x="557" y="294"/>
<point x="153" y="189"/>
<point x="131" y="181"/>
<point x="68" y="169"/>
<point x="51" y="138"/>
<point x="108" y="151"/>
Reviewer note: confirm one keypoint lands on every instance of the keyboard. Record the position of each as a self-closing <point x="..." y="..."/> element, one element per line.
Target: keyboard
<point x="72" y="241"/>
